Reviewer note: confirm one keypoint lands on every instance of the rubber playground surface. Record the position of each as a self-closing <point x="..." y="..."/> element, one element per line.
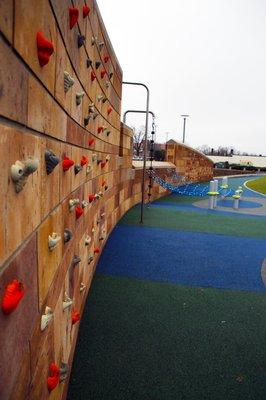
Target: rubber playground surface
<point x="177" y="307"/>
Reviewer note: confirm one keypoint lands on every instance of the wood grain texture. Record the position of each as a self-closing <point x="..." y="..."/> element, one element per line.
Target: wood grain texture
<point x="27" y="23"/>
<point x="6" y="19"/>
<point x="13" y="86"/>
<point x="16" y="328"/>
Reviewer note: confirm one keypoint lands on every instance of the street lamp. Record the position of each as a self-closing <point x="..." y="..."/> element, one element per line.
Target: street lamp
<point x="185" y="116"/>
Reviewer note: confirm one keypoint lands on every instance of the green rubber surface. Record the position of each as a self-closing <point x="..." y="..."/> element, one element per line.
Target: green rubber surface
<point x="197" y="222"/>
<point x="156" y="341"/>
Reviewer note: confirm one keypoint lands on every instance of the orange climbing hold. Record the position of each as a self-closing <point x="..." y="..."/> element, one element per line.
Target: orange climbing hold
<point x="84" y="161"/>
<point x="13" y="294"/>
<point x="93" y="76"/>
<point x="45" y="49"/>
<point x="90" y="142"/>
<point x="103" y="73"/>
<point x="53" y="379"/>
<point x="75" y="316"/>
<point x="96" y="250"/>
<point x="67" y="163"/>
<point x="86" y="11"/>
<point x="91" y="198"/>
<point x="79" y="211"/>
<point x="73" y="16"/>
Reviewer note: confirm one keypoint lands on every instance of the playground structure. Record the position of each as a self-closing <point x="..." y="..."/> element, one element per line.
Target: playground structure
<point x="66" y="180"/>
<point x="211" y="189"/>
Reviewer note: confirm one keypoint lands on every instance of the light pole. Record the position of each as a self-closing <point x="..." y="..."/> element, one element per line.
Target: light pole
<point x="145" y="144"/>
<point x="185" y="116"/>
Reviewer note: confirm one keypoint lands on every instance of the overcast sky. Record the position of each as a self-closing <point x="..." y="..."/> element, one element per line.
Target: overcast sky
<point x="205" y="58"/>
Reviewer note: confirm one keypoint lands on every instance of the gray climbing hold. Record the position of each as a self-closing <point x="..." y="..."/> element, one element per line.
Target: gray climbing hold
<point x="68" y="81"/>
<point x="21" y="170"/>
<point x="89" y="63"/>
<point x="67" y="235"/>
<point x="101" y="45"/>
<point x="51" y="161"/>
<point x="86" y="120"/>
<point x="76" y="260"/>
<point x="97" y="64"/>
<point x="63" y="372"/>
<point x="81" y="40"/>
<point x="79" y="97"/>
<point x="77" y="169"/>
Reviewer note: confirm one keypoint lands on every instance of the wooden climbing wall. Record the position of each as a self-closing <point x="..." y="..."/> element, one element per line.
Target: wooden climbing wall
<point x="60" y="104"/>
<point x="190" y="163"/>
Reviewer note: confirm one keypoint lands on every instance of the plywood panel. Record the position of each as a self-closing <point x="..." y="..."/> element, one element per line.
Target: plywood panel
<point x="49" y="183"/>
<point x="27" y="203"/>
<point x="6" y="19"/>
<point x="66" y="176"/>
<point x="27" y="23"/>
<point x="13" y="86"/>
<point x="16" y="328"/>
<point x="4" y="145"/>
<point x="21" y="386"/>
<point x="44" y="114"/>
<point x="48" y="261"/>
<point x="63" y="65"/>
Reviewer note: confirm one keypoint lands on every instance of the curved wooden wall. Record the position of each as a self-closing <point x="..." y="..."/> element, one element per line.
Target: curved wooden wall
<point x="36" y="115"/>
<point x="193" y="165"/>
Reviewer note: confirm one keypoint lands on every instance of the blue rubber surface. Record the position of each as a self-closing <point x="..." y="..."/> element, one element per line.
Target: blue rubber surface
<point x="187" y="258"/>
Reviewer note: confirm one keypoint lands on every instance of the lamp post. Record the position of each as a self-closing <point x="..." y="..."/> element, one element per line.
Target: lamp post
<point x="145" y="144"/>
<point x="185" y="116"/>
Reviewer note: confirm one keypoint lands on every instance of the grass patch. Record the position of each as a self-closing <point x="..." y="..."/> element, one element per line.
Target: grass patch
<point x="259" y="185"/>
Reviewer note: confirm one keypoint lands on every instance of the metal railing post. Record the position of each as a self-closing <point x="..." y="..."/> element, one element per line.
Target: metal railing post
<point x="145" y="145"/>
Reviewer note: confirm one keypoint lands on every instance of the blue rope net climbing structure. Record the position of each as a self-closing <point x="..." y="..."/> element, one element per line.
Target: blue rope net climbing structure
<point x="186" y="189"/>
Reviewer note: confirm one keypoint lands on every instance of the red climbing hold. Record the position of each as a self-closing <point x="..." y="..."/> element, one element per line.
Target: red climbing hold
<point x="86" y="11"/>
<point x="91" y="141"/>
<point x="91" y="198"/>
<point x="100" y="129"/>
<point x="75" y="316"/>
<point x="79" y="211"/>
<point x="53" y="379"/>
<point x="109" y="110"/>
<point x="103" y="73"/>
<point x="106" y="59"/>
<point x="45" y="49"/>
<point x="93" y="76"/>
<point x="96" y="250"/>
<point x="84" y="160"/>
<point x="14" y="292"/>
<point x="103" y="164"/>
<point x="67" y="163"/>
<point x="73" y="16"/>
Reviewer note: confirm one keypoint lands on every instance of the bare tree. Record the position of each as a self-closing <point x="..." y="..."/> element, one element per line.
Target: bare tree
<point x="205" y="149"/>
<point x="138" y="140"/>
